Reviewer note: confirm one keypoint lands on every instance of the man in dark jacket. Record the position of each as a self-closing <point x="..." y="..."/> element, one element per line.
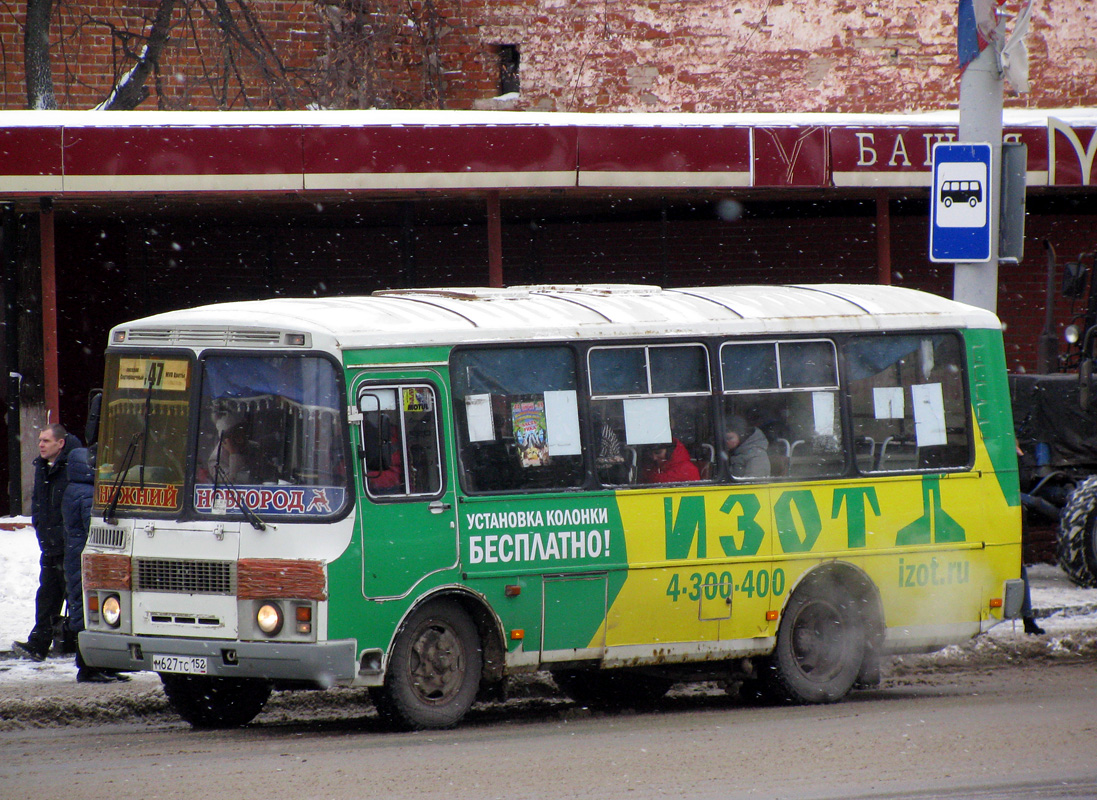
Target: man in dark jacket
<point x="50" y="480"/>
<point x="76" y="509"/>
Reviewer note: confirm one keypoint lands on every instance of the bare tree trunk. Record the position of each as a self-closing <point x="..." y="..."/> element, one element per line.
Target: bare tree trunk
<point x="131" y="90"/>
<point x="36" y="55"/>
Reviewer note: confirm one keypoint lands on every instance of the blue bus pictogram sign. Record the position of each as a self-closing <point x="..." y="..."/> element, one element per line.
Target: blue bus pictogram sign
<point x="960" y="204"/>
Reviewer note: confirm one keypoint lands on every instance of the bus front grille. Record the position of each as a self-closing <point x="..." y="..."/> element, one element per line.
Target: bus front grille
<point x="185" y="575"/>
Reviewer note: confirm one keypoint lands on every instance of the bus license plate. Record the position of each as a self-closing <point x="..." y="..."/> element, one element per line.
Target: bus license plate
<point x="187" y="665"/>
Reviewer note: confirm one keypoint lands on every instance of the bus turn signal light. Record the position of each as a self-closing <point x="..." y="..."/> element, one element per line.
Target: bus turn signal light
<point x="512" y="590"/>
<point x="771" y="616"/>
<point x="996" y="602"/>
<point x="518" y="634"/>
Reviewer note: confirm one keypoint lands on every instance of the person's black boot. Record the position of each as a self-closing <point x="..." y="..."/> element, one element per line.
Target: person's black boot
<point x="27" y="650"/>
<point x="89" y="675"/>
<point x="1032" y="628"/>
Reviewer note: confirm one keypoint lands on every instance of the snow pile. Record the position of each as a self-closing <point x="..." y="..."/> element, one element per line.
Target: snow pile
<point x="18" y="583"/>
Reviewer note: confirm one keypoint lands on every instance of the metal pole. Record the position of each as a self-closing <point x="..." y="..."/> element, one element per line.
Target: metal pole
<point x="883" y="238"/>
<point x="981" y="121"/>
<point x="1047" y="350"/>
<point x="11" y="342"/>
<point x="495" y="242"/>
<point x="49" y="311"/>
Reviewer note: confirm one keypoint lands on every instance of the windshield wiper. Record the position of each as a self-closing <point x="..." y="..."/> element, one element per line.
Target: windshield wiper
<point x="218" y="474"/>
<point x="142" y="436"/>
<point x="116" y="487"/>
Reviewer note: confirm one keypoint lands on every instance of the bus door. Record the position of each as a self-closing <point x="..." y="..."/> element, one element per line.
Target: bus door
<point x="405" y="506"/>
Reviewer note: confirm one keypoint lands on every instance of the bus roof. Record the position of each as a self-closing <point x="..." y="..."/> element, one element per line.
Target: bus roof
<point x="403" y="317"/>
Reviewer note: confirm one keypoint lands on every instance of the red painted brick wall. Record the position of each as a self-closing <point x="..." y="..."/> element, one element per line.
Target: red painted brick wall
<point x="576" y="55"/>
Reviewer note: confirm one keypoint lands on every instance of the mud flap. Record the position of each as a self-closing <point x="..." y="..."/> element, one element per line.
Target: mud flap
<point x="1013" y="594"/>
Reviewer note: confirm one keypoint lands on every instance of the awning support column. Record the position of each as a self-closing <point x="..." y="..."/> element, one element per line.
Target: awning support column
<point x="495" y="242"/>
<point x="49" y="311"/>
<point x="883" y="238"/>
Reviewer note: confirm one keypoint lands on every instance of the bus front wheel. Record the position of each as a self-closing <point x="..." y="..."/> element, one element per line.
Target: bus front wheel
<point x="820" y="645"/>
<point x="208" y="702"/>
<point x="434" y="671"/>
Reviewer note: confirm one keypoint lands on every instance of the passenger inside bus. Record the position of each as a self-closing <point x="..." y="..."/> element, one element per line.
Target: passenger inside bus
<point x="384" y="464"/>
<point x="233" y="458"/>
<point x="669" y="464"/>
<point x="746" y="449"/>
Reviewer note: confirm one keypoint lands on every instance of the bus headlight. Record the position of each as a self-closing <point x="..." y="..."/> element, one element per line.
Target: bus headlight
<point x="112" y="610"/>
<point x="269" y="619"/>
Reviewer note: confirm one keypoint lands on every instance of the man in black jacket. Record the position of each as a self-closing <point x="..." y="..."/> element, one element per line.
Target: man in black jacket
<point x="50" y="480"/>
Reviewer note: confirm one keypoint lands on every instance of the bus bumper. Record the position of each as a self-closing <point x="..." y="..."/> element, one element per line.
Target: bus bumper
<point x="323" y="663"/>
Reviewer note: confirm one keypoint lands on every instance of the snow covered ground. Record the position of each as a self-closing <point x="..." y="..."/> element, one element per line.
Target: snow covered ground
<point x="1062" y="608"/>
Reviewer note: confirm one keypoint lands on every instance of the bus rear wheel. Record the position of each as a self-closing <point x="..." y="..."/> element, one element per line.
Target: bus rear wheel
<point x="820" y="645"/>
<point x="434" y="671"/>
<point x="208" y="702"/>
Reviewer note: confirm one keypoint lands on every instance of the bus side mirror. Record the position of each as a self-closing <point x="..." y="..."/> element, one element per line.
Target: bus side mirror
<point x="1074" y="280"/>
<point x="91" y="428"/>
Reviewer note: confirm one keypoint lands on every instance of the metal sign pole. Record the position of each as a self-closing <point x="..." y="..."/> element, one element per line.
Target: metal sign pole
<point x="981" y="121"/>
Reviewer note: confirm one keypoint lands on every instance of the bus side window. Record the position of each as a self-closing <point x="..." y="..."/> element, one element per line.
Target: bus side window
<point x="400" y="445"/>
<point x="786" y="391"/>
<point x="648" y="396"/>
<point x="517" y="418"/>
<point x="908" y="403"/>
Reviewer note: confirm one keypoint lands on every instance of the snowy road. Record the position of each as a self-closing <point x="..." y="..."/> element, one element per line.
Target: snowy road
<point x="1005" y="716"/>
<point x="1019" y="731"/>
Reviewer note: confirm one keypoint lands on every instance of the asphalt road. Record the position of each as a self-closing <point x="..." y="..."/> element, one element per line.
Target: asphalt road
<point x="1014" y="731"/>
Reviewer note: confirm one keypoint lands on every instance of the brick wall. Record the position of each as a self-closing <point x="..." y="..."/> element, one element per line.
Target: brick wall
<point x="575" y="55"/>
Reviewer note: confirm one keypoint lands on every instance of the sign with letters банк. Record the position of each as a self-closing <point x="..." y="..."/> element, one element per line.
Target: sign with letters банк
<point x="960" y="206"/>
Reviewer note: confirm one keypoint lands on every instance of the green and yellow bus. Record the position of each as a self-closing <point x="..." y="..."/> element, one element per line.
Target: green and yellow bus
<point x="423" y="492"/>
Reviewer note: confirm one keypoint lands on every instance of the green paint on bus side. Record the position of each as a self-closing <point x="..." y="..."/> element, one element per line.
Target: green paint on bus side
<point x="991" y="401"/>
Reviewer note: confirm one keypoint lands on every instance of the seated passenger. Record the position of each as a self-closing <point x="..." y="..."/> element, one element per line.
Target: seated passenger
<point x="388" y="480"/>
<point x="746" y="449"/>
<point x="611" y="458"/>
<point x="232" y="459"/>
<point x="659" y="467"/>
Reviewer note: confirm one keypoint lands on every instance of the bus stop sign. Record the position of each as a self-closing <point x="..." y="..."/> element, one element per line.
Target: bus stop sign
<point x="960" y="206"/>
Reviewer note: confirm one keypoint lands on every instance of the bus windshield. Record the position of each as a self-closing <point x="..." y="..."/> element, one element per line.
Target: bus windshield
<point x="146" y="416"/>
<point x="269" y="437"/>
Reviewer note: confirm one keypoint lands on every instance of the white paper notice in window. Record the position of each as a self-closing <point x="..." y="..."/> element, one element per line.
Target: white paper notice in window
<point x="562" y="419"/>
<point x="647" y="420"/>
<point x="822" y="403"/>
<point x="929" y="414"/>
<point x="478" y="416"/>
<point x="888" y="402"/>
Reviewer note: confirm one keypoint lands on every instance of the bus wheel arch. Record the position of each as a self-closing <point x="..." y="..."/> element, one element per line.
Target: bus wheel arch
<point x="444" y="649"/>
<point x="830" y="637"/>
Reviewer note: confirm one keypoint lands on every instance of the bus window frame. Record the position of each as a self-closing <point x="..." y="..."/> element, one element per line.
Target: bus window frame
<point x="647" y="344"/>
<point x="185" y="510"/>
<point x="965" y="381"/>
<point x="363" y="389"/>
<point x="191" y="513"/>
<point x="845" y="427"/>
<point x="459" y="426"/>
